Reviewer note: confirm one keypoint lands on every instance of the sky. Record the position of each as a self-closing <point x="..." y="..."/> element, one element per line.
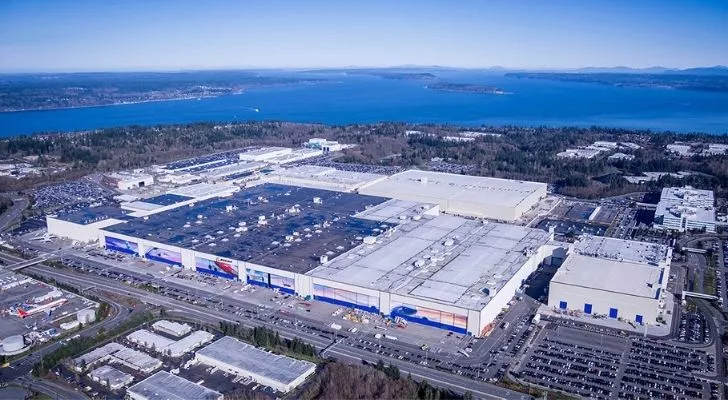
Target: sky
<point x="91" y="35"/>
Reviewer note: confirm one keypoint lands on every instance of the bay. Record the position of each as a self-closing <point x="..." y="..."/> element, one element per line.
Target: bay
<point x="346" y="99"/>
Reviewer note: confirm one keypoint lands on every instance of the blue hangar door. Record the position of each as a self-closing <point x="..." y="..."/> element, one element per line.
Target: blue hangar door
<point x="587" y="308"/>
<point x="613" y="313"/>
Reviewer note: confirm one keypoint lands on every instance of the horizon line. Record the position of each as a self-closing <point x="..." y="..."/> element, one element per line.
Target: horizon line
<point x="403" y="66"/>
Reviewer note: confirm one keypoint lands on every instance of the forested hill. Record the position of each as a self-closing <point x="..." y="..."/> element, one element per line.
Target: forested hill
<point x="518" y="153"/>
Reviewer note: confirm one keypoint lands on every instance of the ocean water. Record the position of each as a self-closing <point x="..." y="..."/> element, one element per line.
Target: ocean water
<point x="365" y="99"/>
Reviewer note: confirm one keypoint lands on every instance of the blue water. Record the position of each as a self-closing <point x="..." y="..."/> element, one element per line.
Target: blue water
<point x="365" y="99"/>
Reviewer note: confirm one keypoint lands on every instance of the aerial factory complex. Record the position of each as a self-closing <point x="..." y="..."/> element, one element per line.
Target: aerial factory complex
<point x="391" y="251"/>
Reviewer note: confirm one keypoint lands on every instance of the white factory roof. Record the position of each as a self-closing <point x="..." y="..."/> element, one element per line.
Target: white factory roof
<point x="610" y="275"/>
<point x="323" y="177"/>
<point x="438" y="187"/>
<point x="142" y="361"/>
<point x="129" y="176"/>
<point x="149" y="339"/>
<point x="169" y="326"/>
<point x="245" y="357"/>
<point x="165" y="386"/>
<point x="204" y="190"/>
<point x="189" y="342"/>
<point x="233" y="169"/>
<point x="622" y="250"/>
<point x="99" y="353"/>
<point x="695" y="204"/>
<point x="295" y="155"/>
<point x="111" y="374"/>
<point x="445" y="259"/>
<point x="266" y="150"/>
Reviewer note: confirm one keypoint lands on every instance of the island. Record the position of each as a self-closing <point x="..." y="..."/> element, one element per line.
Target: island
<point x="466" y="87"/>
<point x="677" y="81"/>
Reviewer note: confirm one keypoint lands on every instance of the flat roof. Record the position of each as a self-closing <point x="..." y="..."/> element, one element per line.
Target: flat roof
<point x="610" y="275"/>
<point x="313" y="174"/>
<point x="98" y="353"/>
<point x="694" y="204"/>
<point x="111" y="374"/>
<point x="90" y="215"/>
<point x="171" y="326"/>
<point x="151" y="339"/>
<point x="265" y="150"/>
<point x="204" y="190"/>
<point x="143" y="361"/>
<point x="229" y="227"/>
<point x="622" y="250"/>
<point x="445" y="259"/>
<point x="165" y="386"/>
<point x="248" y="358"/>
<point x="441" y="187"/>
<point x="167" y="199"/>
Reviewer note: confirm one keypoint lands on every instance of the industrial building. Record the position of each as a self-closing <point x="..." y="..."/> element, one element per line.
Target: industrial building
<point x="169" y="347"/>
<point x="396" y="257"/>
<point x="322" y="178"/>
<point x="111" y="377"/>
<point x="685" y="209"/>
<point x="12" y="344"/>
<point x="470" y="196"/>
<point x="116" y="353"/>
<point x="172" y="328"/>
<point x="128" y="180"/>
<point x="613" y="278"/>
<point x="279" y="155"/>
<point x="264" y="154"/>
<point x="83" y="225"/>
<point x="233" y="356"/>
<point x="165" y="386"/>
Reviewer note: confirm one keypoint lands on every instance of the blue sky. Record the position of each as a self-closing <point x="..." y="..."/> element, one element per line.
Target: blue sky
<point x="88" y="35"/>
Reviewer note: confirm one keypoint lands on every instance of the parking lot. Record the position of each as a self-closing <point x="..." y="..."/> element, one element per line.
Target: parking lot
<point x="599" y="363"/>
<point x="65" y="194"/>
<point x="693" y="328"/>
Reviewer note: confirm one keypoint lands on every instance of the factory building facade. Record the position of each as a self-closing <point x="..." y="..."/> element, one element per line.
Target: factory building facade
<point x="613" y="278"/>
<point x="396" y="257"/>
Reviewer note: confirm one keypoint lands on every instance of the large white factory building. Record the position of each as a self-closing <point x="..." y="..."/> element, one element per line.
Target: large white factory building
<point x="397" y="257"/>
<point x="613" y="278"/>
<point x="470" y="196"/>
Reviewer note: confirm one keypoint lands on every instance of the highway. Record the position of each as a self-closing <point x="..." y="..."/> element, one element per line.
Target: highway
<point x="8" y="218"/>
<point x="343" y="351"/>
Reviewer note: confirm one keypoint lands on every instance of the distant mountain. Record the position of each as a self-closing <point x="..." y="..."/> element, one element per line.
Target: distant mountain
<point x="716" y="70"/>
<point x="620" y="70"/>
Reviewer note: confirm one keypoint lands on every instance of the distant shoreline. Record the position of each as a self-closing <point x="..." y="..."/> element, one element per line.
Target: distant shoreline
<point x="125" y="103"/>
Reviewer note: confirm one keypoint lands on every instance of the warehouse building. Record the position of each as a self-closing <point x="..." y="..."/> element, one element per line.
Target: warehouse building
<point x="233" y="356"/>
<point x="172" y="328"/>
<point x="396" y="257"/>
<point x="169" y="347"/>
<point x="264" y="154"/>
<point x="83" y="225"/>
<point x="470" y="196"/>
<point x="165" y="386"/>
<point x="128" y="180"/>
<point x="314" y="176"/>
<point x="613" y="278"/>
<point x="111" y="377"/>
<point x="685" y="209"/>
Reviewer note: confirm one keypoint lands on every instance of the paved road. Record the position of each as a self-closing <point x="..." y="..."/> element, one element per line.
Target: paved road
<point x="347" y="353"/>
<point x="9" y="217"/>
<point x="52" y="389"/>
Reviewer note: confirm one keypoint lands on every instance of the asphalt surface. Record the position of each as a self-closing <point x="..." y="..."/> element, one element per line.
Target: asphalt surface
<point x="9" y="217"/>
<point x="344" y="351"/>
